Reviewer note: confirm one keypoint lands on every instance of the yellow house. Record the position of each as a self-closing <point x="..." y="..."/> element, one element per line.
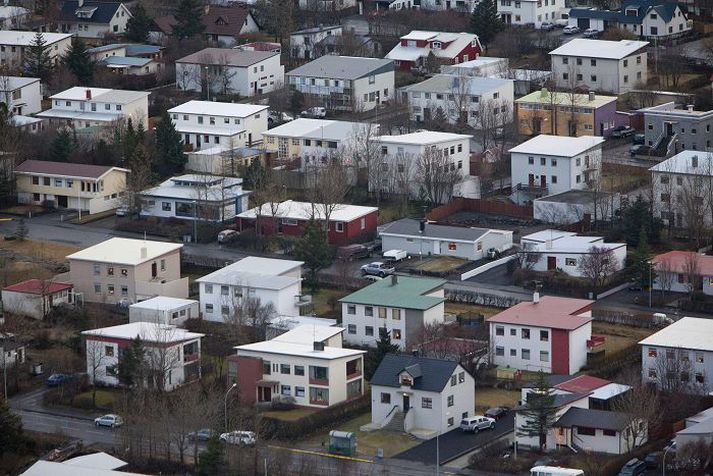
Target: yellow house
<point x="90" y="188"/>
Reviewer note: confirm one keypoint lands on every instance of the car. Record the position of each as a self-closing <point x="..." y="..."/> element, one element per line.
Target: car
<point x="639" y="149"/>
<point x="570" y="30"/>
<point x="55" y="380"/>
<point x="238" y="437"/>
<point x="393" y="256"/>
<point x="377" y="268"/>
<point x="497" y="412"/>
<point x="315" y="112"/>
<point x="351" y="252"/>
<point x="639" y="138"/>
<point x="371" y="277"/>
<point x="110" y="420"/>
<point x="623" y="131"/>
<point x="562" y="22"/>
<point x="634" y="467"/>
<point x="122" y="211"/>
<point x="547" y="26"/>
<point x="226" y="236"/>
<point x="653" y="460"/>
<point x="274" y="117"/>
<point x="202" y="435"/>
<point x="476" y="423"/>
<point x="590" y="33"/>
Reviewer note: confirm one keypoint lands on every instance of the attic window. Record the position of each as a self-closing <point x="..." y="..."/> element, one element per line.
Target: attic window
<point x="221" y="21"/>
<point x="632" y="12"/>
<point x="406" y="380"/>
<point x="436" y="45"/>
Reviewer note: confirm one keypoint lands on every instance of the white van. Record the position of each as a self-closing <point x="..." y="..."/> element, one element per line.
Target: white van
<point x="555" y="471"/>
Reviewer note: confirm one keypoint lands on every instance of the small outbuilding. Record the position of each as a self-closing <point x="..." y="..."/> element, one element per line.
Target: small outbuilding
<point x="35" y="297"/>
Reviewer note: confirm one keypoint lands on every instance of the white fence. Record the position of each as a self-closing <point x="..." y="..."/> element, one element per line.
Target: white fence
<point x="486" y="267"/>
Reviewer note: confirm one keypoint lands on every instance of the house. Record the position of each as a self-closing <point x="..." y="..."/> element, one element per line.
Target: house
<point x="602" y="393"/>
<point x="347" y="223"/>
<point x="555" y="250"/>
<point x="229" y="161"/>
<point x="401" y="155"/>
<point x="600" y="431"/>
<point x="223" y="24"/>
<point x="219" y="124"/>
<point x="14" y="45"/>
<point x="414" y="49"/>
<point x="401" y="304"/>
<point x="344" y="83"/>
<point x="125" y="65"/>
<point x="304" y="43"/>
<point x="28" y="124"/>
<point x="207" y="198"/>
<point x="275" y="282"/>
<point x="164" y="310"/>
<point x="172" y="354"/>
<point x="97" y="464"/>
<point x="13" y="17"/>
<point x="260" y="46"/>
<point x="647" y="19"/>
<point x="557" y="113"/>
<point x="128" y="59"/>
<point x="326" y="5"/>
<point x="600" y="65"/>
<point x="529" y="12"/>
<point x="683" y="272"/>
<point x="670" y="128"/>
<point x="11" y="351"/>
<point x="464" y="6"/>
<point x="698" y="428"/>
<point x="524" y="80"/>
<point x="574" y="206"/>
<point x="679" y="357"/>
<point x="124" y="271"/>
<point x="549" y="333"/>
<point x="89" y="188"/>
<point x="278" y="325"/>
<point x="82" y="107"/>
<point x="679" y="188"/>
<point x="546" y="165"/>
<point x="93" y="19"/>
<point x="306" y="365"/>
<point x="480" y="102"/>
<point x="230" y="71"/>
<point x="421" y="396"/>
<point x="35" y="297"/>
<point x="424" y="238"/>
<point x="21" y="96"/>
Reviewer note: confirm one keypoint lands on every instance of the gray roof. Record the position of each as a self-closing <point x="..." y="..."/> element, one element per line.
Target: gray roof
<point x="434" y="373"/>
<point x="602" y="419"/>
<point x="316" y="29"/>
<point x="409" y="226"/>
<point x="561" y="399"/>
<point x="227" y="57"/>
<point x="703" y="428"/>
<point x="343" y="67"/>
<point x="450" y="83"/>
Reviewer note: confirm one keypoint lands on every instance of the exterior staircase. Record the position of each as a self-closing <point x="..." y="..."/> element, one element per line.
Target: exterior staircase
<point x="396" y="423"/>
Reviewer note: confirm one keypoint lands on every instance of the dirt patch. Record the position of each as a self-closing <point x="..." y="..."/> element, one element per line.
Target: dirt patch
<point x="618" y="336"/>
<point x="27" y="259"/>
<point x="440" y="264"/>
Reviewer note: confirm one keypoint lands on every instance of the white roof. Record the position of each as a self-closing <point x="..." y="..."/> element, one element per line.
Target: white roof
<point x="271" y="266"/>
<point x="163" y="303"/>
<point x="98" y="460"/>
<point x="687" y="333"/>
<point x="604" y="49"/>
<point x="297" y="350"/>
<point x="453" y="83"/>
<point x="255" y="273"/>
<point x="405" y="53"/>
<point x="10" y="83"/>
<point x="147" y="331"/>
<point x="423" y="138"/>
<point x="609" y="390"/>
<point x="26" y="38"/>
<point x="17" y="120"/>
<point x="456" y="43"/>
<point x="307" y="334"/>
<point x="43" y="468"/>
<point x="559" y="146"/>
<point x="12" y="11"/>
<point x="563" y="242"/>
<point x="317" y="128"/>
<point x="80" y="115"/>
<point x="227" y="188"/>
<point x="682" y="163"/>
<point x="545" y="235"/>
<point x="478" y="62"/>
<point x="118" y="96"/>
<point x="420" y="35"/>
<point x="290" y="322"/>
<point x="304" y="211"/>
<point x="214" y="108"/>
<point x="125" y="251"/>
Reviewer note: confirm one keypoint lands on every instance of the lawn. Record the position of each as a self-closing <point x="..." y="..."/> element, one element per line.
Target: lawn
<point x="618" y="336"/>
<point x="105" y="399"/>
<point x="322" y="302"/>
<point x="39" y="249"/>
<point x="289" y="415"/>
<point x="487" y="397"/>
<point x="462" y="308"/>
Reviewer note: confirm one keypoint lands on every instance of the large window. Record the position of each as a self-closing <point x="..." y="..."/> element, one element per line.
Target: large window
<point x="320" y="374"/>
<point x="354" y="388"/>
<point x="525" y="354"/>
<point x="319" y="396"/>
<point x="184" y="209"/>
<point x="585" y="430"/>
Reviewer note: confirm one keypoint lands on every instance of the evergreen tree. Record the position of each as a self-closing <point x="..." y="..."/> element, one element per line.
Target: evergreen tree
<point x="79" y="63"/>
<point x="188" y="19"/>
<point x="641" y="261"/>
<point x="639" y="215"/>
<point x="169" y="147"/>
<point x="313" y="249"/>
<point x="540" y="412"/>
<point x="38" y="62"/>
<point x="212" y="460"/>
<point x="61" y="146"/>
<point x="131" y="365"/>
<point x="297" y="101"/>
<point x="12" y="438"/>
<point x="138" y="26"/>
<point x="376" y="355"/>
<point x="486" y="22"/>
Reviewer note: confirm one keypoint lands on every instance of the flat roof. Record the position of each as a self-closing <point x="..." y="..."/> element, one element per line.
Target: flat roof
<point x="216" y="108"/>
<point x="227" y="57"/>
<point x="559" y="146"/>
<point x="545" y="96"/>
<point x="423" y="138"/>
<point x="693" y="333"/>
<point x="682" y="163"/>
<point x="290" y="322"/>
<point x="146" y="331"/>
<point x="125" y="251"/>
<point x="273" y="266"/>
<point x="26" y="38"/>
<point x="551" y="312"/>
<point x="343" y="67"/>
<point x="326" y="129"/>
<point x="305" y="211"/>
<point x="411" y="227"/>
<point x="227" y="190"/>
<point x="555" y="241"/>
<point x="298" y="350"/>
<point x="579" y="197"/>
<point x="309" y="333"/>
<point x="163" y="303"/>
<point x="604" y="49"/>
<point x="407" y="293"/>
<point x="445" y="83"/>
<point x="122" y="96"/>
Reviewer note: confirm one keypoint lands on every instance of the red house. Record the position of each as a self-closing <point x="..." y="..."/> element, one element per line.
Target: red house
<point x="347" y="223"/>
<point x="449" y="48"/>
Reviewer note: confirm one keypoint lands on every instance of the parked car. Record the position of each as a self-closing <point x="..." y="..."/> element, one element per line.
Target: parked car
<point x="591" y="33"/>
<point x="315" y="112"/>
<point x="477" y="423"/>
<point x="393" y="256"/>
<point x="352" y="252"/>
<point x="639" y="138"/>
<point x="497" y="412"/>
<point x="55" y="380"/>
<point x="123" y="211"/>
<point x="226" y="236"/>
<point x="110" y="420"/>
<point x="653" y="460"/>
<point x="623" y="131"/>
<point x="371" y="277"/>
<point x="639" y="149"/>
<point x="634" y="467"/>
<point x="548" y="26"/>
<point x="562" y="22"/>
<point x="274" y="117"/>
<point x="237" y="437"/>
<point x="570" y="30"/>
<point x="377" y="268"/>
<point x="202" y="435"/>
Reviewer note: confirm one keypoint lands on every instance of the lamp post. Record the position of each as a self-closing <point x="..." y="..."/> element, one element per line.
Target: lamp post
<point x="670" y="447"/>
<point x="207" y="83"/>
<point x="438" y="445"/>
<point x="225" y="401"/>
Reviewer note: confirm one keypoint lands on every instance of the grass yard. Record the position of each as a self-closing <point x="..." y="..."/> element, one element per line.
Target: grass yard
<point x="322" y="302"/>
<point x="39" y="249"/>
<point x="618" y="336"/>
<point x="441" y="264"/>
<point x="105" y="399"/>
<point x="23" y="210"/>
<point x="487" y="397"/>
<point x="460" y="308"/>
<point x="289" y="415"/>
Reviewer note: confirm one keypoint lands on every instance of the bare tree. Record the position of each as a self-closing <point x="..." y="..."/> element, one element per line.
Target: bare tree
<point x="436" y="175"/>
<point x="672" y="369"/>
<point x="368" y="157"/>
<point x="665" y="276"/>
<point x="598" y="265"/>
<point x="328" y="187"/>
<point x="247" y="318"/>
<point x="642" y="409"/>
<point x="690" y="203"/>
<point x="96" y="364"/>
<point x="162" y="357"/>
<point x="692" y="273"/>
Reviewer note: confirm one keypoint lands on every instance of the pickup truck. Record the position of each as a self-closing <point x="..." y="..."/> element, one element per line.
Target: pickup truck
<point x="393" y="256"/>
<point x="377" y="268"/>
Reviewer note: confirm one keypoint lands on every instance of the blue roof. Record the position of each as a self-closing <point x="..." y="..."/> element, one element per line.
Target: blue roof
<point x="135" y="50"/>
<point x="591" y="13"/>
<point x="665" y="10"/>
<point x="125" y="61"/>
<point x="99" y="49"/>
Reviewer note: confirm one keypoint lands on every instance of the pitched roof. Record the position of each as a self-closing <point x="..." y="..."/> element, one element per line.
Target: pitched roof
<point x="147" y="331"/>
<point x="444" y="83"/>
<point x="217" y="19"/>
<point x="215" y="108"/>
<point x="411" y="227"/>
<point x="26" y="38"/>
<point x="582" y="384"/>
<point x="256" y="272"/>
<point x="407" y="293"/>
<point x="602" y="419"/>
<point x="327" y="129"/>
<point x="95" y="12"/>
<point x="665" y="10"/>
<point x="227" y="57"/>
<point x="305" y="211"/>
<point x="551" y="312"/>
<point x="343" y="67"/>
<point x="604" y="49"/>
<point x="593" y="13"/>
<point x="430" y="375"/>
<point x="65" y="169"/>
<point x="560" y="400"/>
<point x="682" y="163"/>
<point x="684" y="262"/>
<point x="39" y="287"/>
<point x="687" y="333"/>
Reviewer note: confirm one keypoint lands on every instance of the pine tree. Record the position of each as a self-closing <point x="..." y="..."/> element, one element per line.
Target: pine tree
<point x="376" y="355"/>
<point x="188" y="19"/>
<point x="131" y="365"/>
<point x="79" y="63"/>
<point x="486" y="22"/>
<point x="540" y="412"/>
<point x="212" y="460"/>
<point x="169" y="147"/>
<point x="297" y="101"/>
<point x="139" y="25"/>
<point x="641" y="261"/>
<point x="313" y="249"/>
<point x="38" y="62"/>
<point x="61" y="146"/>
<point x="12" y="438"/>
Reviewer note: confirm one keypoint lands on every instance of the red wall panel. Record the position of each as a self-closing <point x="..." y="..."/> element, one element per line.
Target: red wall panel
<point x="560" y="351"/>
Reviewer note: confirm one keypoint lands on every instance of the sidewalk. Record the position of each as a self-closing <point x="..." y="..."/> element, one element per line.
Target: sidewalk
<point x="33" y="402"/>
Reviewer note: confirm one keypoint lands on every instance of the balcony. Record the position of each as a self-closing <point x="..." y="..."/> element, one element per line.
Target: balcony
<point x="531" y="188"/>
<point x="354" y="375"/>
<point x="319" y="381"/>
<point x="177" y="288"/>
<point x="191" y="357"/>
<point x="596" y="344"/>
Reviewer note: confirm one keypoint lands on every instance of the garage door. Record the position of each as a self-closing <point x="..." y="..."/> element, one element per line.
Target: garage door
<point x="583" y="23"/>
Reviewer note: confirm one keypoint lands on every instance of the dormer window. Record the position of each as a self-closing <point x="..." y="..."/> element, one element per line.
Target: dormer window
<point x="436" y="45"/>
<point x="632" y="12"/>
<point x="406" y="380"/>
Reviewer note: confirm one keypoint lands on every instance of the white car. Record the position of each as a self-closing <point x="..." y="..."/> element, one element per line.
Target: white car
<point x="227" y="236"/>
<point x="110" y="420"/>
<point x="274" y="117"/>
<point x="315" y="112"/>
<point x="570" y="30"/>
<point x="590" y="33"/>
<point x="237" y="437"/>
<point x="477" y="423"/>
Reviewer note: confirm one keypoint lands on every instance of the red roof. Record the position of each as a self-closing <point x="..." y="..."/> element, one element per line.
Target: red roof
<point x="582" y="384"/>
<point x="682" y="261"/>
<point x="551" y="312"/>
<point x="37" y="286"/>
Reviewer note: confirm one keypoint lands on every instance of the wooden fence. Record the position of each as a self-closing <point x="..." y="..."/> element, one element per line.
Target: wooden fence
<point x="479" y="206"/>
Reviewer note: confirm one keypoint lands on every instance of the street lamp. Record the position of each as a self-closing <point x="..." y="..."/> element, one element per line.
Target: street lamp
<point x="225" y="401"/>
<point x="438" y="445"/>
<point x="670" y="447"/>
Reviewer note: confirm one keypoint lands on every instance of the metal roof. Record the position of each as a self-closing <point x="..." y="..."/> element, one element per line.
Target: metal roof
<point x="411" y="227"/>
<point x="343" y="67"/>
<point x="406" y="293"/>
<point x="429" y="375"/>
<point x="602" y="419"/>
<point x="227" y="57"/>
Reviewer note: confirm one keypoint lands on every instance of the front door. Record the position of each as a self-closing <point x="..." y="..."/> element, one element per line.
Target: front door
<point x="407" y="403"/>
<point x="154" y="270"/>
<point x="551" y="263"/>
<point x="531" y="179"/>
<point x="543" y="181"/>
<point x="62" y="201"/>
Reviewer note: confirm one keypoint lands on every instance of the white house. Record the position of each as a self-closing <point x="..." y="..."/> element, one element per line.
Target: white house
<point x="482" y="103"/>
<point x="435" y="5"/>
<point x="600" y="65"/>
<point x="683" y="272"/>
<point x="35" y="297"/>
<point x="208" y="198"/>
<point x="529" y="12"/>
<point x="548" y="333"/>
<point x="14" y="45"/>
<point x="679" y="357"/>
<point x="306" y="365"/>
<point x="11" y="350"/>
<point x="425" y="239"/>
<point x="555" y="250"/>
<point x="698" y="428"/>
<point x="420" y="396"/>
<point x="344" y="83"/>
<point x="546" y="165"/>
<point x="164" y="310"/>
<point x="574" y="206"/>
<point x="401" y="304"/>
<point x="230" y="71"/>
<point x="219" y="124"/>
<point x="13" y="17"/>
<point x="22" y="96"/>
<point x="173" y="354"/>
<point x="93" y="19"/>
<point x="304" y="44"/>
<point x="485" y="66"/>
<point x="653" y="19"/>
<point x="86" y="107"/>
<point x="273" y="281"/>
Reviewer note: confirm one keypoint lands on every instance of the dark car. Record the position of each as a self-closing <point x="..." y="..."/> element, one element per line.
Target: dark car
<point x="55" y="380"/>
<point x="639" y="149"/>
<point x="202" y="435"/>
<point x="633" y="467"/>
<point x="497" y="412"/>
<point x="639" y="138"/>
<point x="351" y="252"/>
<point x="653" y="460"/>
<point x="623" y="131"/>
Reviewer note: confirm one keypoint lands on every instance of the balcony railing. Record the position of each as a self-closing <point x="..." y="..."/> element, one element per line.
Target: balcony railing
<point x="319" y="381"/>
<point x="531" y="188"/>
<point x="191" y="357"/>
<point x="321" y="402"/>
<point x="354" y="374"/>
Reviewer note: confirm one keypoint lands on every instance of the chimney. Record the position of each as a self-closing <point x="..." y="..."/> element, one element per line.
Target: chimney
<point x="535" y="297"/>
<point x="694" y="161"/>
<point x="80" y="3"/>
<point x="592" y="95"/>
<point x="543" y="92"/>
<point x="422" y="226"/>
<point x="88" y="92"/>
<point x="206" y="9"/>
<point x="144" y="252"/>
<point x="690" y="107"/>
<point x="318" y="346"/>
<point x="394" y="279"/>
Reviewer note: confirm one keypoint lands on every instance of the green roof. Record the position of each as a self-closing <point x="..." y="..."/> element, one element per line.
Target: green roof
<point x="407" y="293"/>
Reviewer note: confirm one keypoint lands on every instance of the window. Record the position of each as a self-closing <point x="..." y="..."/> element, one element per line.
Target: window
<point x="109" y="351"/>
<point x="626" y="63"/>
<point x="700" y="378"/>
<point x="499" y="350"/>
<point x="531" y="161"/>
<point x="382" y="313"/>
<point x="285" y="369"/>
<point x="626" y="79"/>
<point x="544" y="356"/>
<point x="544" y="336"/>
<point x="652" y="373"/>
<point x="351" y="309"/>
<point x="351" y="329"/>
<point x="554" y="179"/>
<point x="585" y="430"/>
<point x="224" y="290"/>
<point x="385" y="397"/>
<point x="208" y="288"/>
<point x="593" y="62"/>
<point x="499" y="330"/>
<point x="570" y="261"/>
<point x="396" y="334"/>
<point x="699" y="358"/>
<point x="369" y="330"/>
<point x="543" y="161"/>
<point x="339" y="227"/>
<point x="450" y="400"/>
<point x="266" y="367"/>
<point x="209" y="309"/>
<point x="426" y="402"/>
<point x="593" y="77"/>
<point x="110" y="288"/>
<point x="513" y="331"/>
<point x="525" y="333"/>
<point x="565" y="60"/>
<point x="513" y="352"/>
<point x="111" y="370"/>
<point x="372" y="79"/>
<point x="368" y="311"/>
<point x="609" y="432"/>
<point x="670" y="354"/>
<point x="579" y="61"/>
<point x="299" y="391"/>
<point x="454" y="380"/>
<point x="565" y="76"/>
<point x="450" y="421"/>
<point x="285" y="390"/>
<point x="224" y="310"/>
<point x="299" y="370"/>
<point x="525" y="354"/>
<point x="163" y="265"/>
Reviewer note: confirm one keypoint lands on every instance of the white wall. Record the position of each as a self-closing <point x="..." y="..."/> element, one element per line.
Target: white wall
<point x="562" y="259"/>
<point x="705" y="367"/>
<point x="530" y="11"/>
<point x="510" y="342"/>
<point x="380" y="90"/>
<point x="31" y="304"/>
<point x="284" y="300"/>
<point x="27" y="103"/>
<point x="578" y="347"/>
<point x="299" y="48"/>
<point x="175" y="317"/>
<point x="261" y="77"/>
<point x="153" y="206"/>
<point x="600" y="75"/>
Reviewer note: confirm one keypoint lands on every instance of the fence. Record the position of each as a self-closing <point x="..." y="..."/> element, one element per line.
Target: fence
<point x="479" y="206"/>
<point x="486" y="267"/>
<point x="480" y="297"/>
